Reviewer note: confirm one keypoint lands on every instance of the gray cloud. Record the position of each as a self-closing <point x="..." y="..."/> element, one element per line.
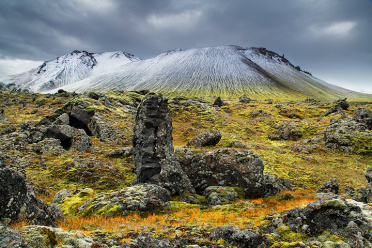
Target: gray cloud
<point x="331" y="39"/>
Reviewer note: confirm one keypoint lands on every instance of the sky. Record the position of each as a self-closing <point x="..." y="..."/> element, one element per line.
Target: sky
<point x="332" y="39"/>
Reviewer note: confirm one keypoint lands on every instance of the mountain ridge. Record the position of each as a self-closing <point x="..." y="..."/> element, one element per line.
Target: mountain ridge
<point x="222" y="70"/>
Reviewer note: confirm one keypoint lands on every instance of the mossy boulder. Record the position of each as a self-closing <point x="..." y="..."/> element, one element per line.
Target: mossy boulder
<point x="138" y="198"/>
<point x="218" y="195"/>
<point x="46" y="237"/>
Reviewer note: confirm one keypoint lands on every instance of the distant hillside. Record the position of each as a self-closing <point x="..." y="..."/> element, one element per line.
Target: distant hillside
<point x="229" y="71"/>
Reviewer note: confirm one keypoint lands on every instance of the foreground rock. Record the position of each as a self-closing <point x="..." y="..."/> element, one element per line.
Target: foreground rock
<point x="206" y="138"/>
<point x="11" y="238"/>
<point x="138" y="198"/>
<point x="331" y="186"/>
<point x="348" y="136"/>
<point x="153" y="151"/>
<point x="18" y="202"/>
<point x="228" y="167"/>
<point x="365" y="194"/>
<point x="236" y="237"/>
<point x="46" y="237"/>
<point x="335" y="215"/>
<point x="364" y="116"/>
<point x="286" y="132"/>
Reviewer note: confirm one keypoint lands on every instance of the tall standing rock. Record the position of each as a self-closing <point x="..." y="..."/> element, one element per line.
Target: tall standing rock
<point x="153" y="149"/>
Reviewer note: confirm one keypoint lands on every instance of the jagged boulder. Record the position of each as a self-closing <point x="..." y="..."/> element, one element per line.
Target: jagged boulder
<point x="286" y="131"/>
<point x="237" y="237"/>
<point x="11" y="238"/>
<point x="364" y="116"/>
<point x="46" y="237"/>
<point x="348" y="136"/>
<point x="99" y="128"/>
<point x="138" y="198"/>
<point x="218" y="195"/>
<point x="365" y="194"/>
<point x="335" y="215"/>
<point x="274" y="184"/>
<point x="153" y="151"/>
<point x="49" y="146"/>
<point x="226" y="167"/>
<point x="123" y="152"/>
<point x="70" y="137"/>
<point x="331" y="186"/>
<point x="17" y="201"/>
<point x="244" y="99"/>
<point x="218" y="102"/>
<point x="342" y="103"/>
<point x="206" y="138"/>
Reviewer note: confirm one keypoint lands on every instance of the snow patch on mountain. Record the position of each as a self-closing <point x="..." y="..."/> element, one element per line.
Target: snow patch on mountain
<point x="67" y="69"/>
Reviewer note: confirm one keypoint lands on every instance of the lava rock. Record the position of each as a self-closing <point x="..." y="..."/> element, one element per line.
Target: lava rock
<point x="218" y="195"/>
<point x="153" y="151"/>
<point x="335" y="215"/>
<point x="274" y="184"/>
<point x="286" y="132"/>
<point x="345" y="134"/>
<point x="123" y="152"/>
<point x="226" y="167"/>
<point x="99" y="128"/>
<point x="368" y="174"/>
<point x="142" y="198"/>
<point x="236" y="237"/>
<point x="17" y="202"/>
<point x="11" y="238"/>
<point x="331" y="186"/>
<point x="364" y="116"/>
<point x="342" y="103"/>
<point x="244" y="99"/>
<point x="218" y="102"/>
<point x="45" y="237"/>
<point x="70" y="137"/>
<point x="206" y="138"/>
<point x="49" y="146"/>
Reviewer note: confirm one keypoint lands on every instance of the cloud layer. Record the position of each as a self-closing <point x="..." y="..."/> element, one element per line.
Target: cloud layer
<point x="331" y="39"/>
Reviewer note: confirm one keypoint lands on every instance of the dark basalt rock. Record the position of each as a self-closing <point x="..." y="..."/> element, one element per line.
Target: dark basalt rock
<point x="218" y="102"/>
<point x="236" y="237"/>
<point x="244" y="99"/>
<point x="153" y="151"/>
<point x="226" y="167"/>
<point x="11" y="238"/>
<point x="17" y="201"/>
<point x="342" y="103"/>
<point x="335" y="215"/>
<point x="286" y="132"/>
<point x="344" y="134"/>
<point x="331" y="186"/>
<point x="206" y="138"/>
<point x="121" y="152"/>
<point x="364" y="116"/>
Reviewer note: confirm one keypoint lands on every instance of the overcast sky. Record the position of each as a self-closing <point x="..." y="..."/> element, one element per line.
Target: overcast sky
<point x="332" y="39"/>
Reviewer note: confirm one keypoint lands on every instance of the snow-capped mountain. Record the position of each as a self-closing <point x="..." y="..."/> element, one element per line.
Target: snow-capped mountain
<point x="67" y="69"/>
<point x="209" y="71"/>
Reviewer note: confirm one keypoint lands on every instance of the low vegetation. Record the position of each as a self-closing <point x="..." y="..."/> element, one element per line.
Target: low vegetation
<point x="250" y="124"/>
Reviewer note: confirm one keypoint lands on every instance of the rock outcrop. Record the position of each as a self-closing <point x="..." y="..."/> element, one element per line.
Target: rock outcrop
<point x="331" y="186"/>
<point x="286" y="132"/>
<point x="206" y="138"/>
<point x="138" y="198"/>
<point x="17" y="201"/>
<point x="237" y="237"/>
<point x="11" y="238"/>
<point x="364" y="116"/>
<point x="335" y="215"/>
<point x="348" y="136"/>
<point x="153" y="151"/>
<point x="228" y="167"/>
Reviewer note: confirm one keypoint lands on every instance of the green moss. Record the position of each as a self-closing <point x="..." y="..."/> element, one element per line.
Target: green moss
<point x="71" y="204"/>
<point x="335" y="203"/>
<point x="108" y="210"/>
<point x="177" y="205"/>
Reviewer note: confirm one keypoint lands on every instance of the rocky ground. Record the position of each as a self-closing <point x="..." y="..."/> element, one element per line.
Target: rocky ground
<point x="132" y="169"/>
